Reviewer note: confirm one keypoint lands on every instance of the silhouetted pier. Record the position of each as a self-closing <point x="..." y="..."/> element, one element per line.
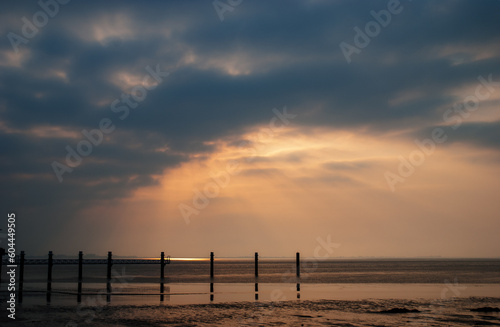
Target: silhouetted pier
<point x="89" y="261"/>
<point x="21" y="261"/>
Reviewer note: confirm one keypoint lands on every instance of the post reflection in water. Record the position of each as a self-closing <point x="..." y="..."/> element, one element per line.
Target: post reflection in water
<point x="163" y="290"/>
<point x="108" y="292"/>
<point x="235" y="290"/>
<point x="162" y="293"/>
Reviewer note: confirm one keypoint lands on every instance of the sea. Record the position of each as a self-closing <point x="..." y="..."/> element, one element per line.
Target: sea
<point x="187" y="281"/>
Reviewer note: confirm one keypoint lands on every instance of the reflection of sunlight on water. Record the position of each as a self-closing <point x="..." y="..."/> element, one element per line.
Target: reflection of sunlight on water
<point x="249" y="259"/>
<point x="179" y="259"/>
<point x="189" y="259"/>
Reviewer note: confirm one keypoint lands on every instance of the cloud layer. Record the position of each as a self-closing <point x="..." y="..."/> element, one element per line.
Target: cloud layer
<point x="353" y="119"/>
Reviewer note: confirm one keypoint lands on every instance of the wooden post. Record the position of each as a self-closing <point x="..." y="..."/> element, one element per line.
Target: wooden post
<point x="256" y="275"/>
<point x="211" y="265"/>
<point x="162" y="275"/>
<point x="2" y="253"/>
<point x="211" y="276"/>
<point x="110" y="263"/>
<point x="297" y="263"/>
<point x="49" y="277"/>
<point x="162" y="268"/>
<point x="80" y="276"/>
<point x="256" y="264"/>
<point x="21" y="277"/>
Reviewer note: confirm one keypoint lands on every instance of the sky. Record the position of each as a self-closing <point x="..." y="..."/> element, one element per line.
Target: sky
<point x="331" y="128"/>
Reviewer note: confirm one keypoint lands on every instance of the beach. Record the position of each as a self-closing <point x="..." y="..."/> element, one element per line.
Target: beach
<point x="330" y="293"/>
<point x="452" y="312"/>
<point x="249" y="163"/>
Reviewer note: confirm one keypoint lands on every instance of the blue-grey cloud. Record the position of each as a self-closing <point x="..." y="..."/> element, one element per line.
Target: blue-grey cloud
<point x="225" y="77"/>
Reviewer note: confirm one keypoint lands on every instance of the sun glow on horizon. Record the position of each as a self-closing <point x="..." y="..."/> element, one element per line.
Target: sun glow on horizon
<point x="334" y="178"/>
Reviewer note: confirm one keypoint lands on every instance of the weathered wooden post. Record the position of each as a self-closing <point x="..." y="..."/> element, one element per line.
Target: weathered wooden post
<point x="211" y="265"/>
<point x="108" y="277"/>
<point x="49" y="277"/>
<point x="256" y="274"/>
<point x="21" y="277"/>
<point x="162" y="275"/>
<point x="2" y="253"/>
<point x="162" y="268"/>
<point x="211" y="276"/>
<point x="80" y="276"/>
<point x="297" y="264"/>
<point x="110" y="263"/>
<point x="256" y="264"/>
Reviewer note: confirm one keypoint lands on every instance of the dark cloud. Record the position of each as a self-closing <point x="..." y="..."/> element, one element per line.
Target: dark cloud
<point x="480" y="134"/>
<point x="225" y="77"/>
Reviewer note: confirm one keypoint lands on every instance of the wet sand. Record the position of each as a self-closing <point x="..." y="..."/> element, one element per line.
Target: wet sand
<point x="381" y="312"/>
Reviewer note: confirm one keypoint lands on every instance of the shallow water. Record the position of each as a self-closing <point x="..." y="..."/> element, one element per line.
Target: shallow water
<point x="188" y="282"/>
<point x="199" y="293"/>
<point x="279" y="271"/>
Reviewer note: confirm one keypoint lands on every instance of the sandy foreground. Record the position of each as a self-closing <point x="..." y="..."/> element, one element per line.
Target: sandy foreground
<point x="456" y="312"/>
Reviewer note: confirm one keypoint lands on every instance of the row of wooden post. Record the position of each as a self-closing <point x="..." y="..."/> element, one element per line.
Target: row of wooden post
<point x="108" y="276"/>
<point x="297" y="272"/>
<point x="50" y="264"/>
<point x="297" y="264"/>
